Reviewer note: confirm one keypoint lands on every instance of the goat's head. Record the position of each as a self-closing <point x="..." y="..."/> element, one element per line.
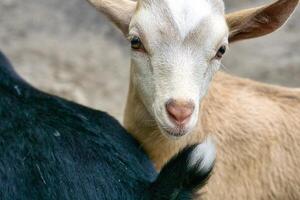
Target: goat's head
<point x="177" y="46"/>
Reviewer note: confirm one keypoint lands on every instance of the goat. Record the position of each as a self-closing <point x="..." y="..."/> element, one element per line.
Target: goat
<point x="51" y="148"/>
<point x="176" y="96"/>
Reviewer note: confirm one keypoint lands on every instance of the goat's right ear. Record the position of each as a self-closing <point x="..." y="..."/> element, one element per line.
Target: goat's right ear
<point x="259" y="21"/>
<point x="118" y="11"/>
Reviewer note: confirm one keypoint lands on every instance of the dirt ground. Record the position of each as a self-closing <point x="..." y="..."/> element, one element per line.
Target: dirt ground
<point x="67" y="48"/>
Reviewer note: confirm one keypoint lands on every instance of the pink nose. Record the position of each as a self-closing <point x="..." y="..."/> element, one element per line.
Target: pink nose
<point x="180" y="111"/>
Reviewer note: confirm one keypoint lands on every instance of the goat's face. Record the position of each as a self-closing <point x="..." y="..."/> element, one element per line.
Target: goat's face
<point x="177" y="47"/>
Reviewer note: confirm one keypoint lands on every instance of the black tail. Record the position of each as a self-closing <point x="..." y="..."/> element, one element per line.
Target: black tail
<point x="185" y="174"/>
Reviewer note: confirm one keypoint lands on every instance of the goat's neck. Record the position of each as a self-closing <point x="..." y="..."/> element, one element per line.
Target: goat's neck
<point x="214" y="108"/>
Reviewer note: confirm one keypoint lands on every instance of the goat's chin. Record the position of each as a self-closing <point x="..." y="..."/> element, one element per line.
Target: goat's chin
<point x="174" y="132"/>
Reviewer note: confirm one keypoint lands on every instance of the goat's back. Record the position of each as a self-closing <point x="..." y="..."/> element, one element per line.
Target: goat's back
<point x="51" y="148"/>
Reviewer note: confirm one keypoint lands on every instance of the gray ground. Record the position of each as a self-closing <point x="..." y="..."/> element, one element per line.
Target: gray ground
<point x="67" y="48"/>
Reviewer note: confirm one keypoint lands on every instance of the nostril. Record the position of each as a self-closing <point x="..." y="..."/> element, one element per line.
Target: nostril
<point x="180" y="111"/>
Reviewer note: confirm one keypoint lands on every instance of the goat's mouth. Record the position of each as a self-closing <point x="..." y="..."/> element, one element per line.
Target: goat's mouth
<point x="175" y="132"/>
<point x="172" y="129"/>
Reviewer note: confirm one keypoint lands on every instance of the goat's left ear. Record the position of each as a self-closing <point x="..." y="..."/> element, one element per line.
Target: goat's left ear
<point x="259" y="21"/>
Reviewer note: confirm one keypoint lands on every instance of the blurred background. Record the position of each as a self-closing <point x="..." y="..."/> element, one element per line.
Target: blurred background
<point x="67" y="48"/>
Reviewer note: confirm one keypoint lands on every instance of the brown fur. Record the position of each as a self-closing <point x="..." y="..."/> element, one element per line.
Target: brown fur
<point x="118" y="11"/>
<point x="256" y="126"/>
<point x="257" y="130"/>
<point x="256" y="22"/>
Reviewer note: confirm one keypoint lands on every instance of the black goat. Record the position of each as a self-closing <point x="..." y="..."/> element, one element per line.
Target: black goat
<point x="51" y="148"/>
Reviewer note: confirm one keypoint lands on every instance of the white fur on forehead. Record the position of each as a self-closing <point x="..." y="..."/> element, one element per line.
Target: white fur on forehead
<point x="187" y="14"/>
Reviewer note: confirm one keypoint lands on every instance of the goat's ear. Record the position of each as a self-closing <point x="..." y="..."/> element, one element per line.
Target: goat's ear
<point x="259" y="21"/>
<point x="118" y="11"/>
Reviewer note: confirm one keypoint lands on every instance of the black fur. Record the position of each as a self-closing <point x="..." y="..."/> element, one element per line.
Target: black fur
<point x="177" y="180"/>
<point x="51" y="148"/>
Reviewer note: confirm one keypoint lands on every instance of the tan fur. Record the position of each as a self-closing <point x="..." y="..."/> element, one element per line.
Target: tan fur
<point x="257" y="130"/>
<point x="256" y="126"/>
<point x="256" y="22"/>
<point x="118" y="11"/>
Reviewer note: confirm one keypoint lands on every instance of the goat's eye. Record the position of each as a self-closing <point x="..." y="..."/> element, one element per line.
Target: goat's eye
<point x="136" y="43"/>
<point x="221" y="52"/>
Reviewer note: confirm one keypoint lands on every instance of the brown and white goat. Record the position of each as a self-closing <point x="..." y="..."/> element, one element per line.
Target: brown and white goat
<point x="177" y="97"/>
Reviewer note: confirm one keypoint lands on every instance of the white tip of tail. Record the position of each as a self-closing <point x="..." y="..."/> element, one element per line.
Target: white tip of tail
<point x="204" y="155"/>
